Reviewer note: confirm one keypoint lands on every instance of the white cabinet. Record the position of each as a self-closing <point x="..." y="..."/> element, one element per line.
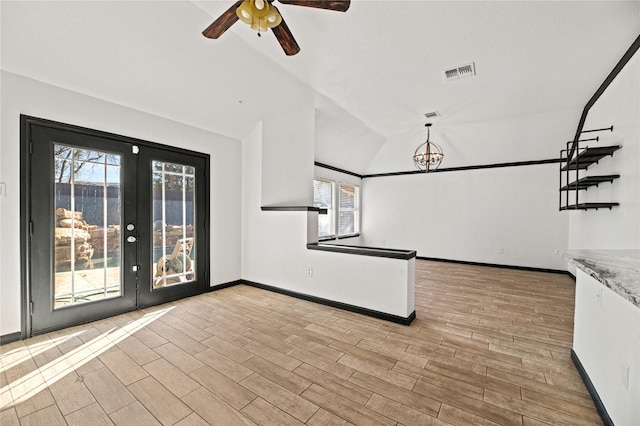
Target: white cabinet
<point x="606" y="340"/>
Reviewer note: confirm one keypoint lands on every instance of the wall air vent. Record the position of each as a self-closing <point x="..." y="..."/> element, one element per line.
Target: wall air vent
<point x="434" y="114"/>
<point x="463" y="71"/>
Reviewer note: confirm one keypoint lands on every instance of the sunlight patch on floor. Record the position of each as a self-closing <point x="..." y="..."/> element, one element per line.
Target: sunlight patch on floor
<point x="31" y="384"/>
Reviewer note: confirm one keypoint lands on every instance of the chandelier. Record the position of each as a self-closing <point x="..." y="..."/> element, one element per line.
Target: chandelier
<point x="428" y="155"/>
<point x="259" y="14"/>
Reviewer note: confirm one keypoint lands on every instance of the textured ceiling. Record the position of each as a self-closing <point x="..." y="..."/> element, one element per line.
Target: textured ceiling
<point x="374" y="70"/>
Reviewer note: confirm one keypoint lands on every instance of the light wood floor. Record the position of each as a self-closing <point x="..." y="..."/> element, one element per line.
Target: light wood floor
<point x="489" y="346"/>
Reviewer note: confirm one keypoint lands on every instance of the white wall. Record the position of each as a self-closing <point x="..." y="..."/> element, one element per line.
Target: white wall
<point x="25" y="96"/>
<point x="342" y="140"/>
<point x="469" y="215"/>
<point x="503" y="140"/>
<point x="323" y="173"/>
<point x="274" y="250"/>
<point x="618" y="228"/>
<point x="287" y="155"/>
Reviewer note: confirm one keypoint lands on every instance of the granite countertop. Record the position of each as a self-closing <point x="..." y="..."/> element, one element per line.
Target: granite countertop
<point x="617" y="269"/>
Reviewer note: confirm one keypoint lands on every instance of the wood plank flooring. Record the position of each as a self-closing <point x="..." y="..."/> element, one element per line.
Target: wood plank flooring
<point x="489" y="346"/>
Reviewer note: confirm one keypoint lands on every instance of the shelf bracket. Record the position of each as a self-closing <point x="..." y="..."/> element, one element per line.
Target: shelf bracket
<point x="598" y="130"/>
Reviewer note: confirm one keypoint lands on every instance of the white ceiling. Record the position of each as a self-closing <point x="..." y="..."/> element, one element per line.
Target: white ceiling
<point x="375" y="70"/>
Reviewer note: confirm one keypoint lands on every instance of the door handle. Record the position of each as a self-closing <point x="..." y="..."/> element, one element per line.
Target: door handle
<point x="131" y="239"/>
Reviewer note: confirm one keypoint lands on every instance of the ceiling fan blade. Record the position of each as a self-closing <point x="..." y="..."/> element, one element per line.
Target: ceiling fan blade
<point x="337" y="5"/>
<point x="224" y="21"/>
<point x="285" y="38"/>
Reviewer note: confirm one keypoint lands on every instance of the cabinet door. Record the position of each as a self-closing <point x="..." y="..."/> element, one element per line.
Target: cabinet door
<point x="606" y="340"/>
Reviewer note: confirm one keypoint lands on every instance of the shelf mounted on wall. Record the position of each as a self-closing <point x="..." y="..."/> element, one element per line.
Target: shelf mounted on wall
<point x="576" y="158"/>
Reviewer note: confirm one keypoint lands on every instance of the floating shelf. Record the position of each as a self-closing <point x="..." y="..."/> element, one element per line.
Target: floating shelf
<point x="588" y="156"/>
<point x="293" y="209"/>
<point x="589" y="206"/>
<point x="572" y="184"/>
<point x="589" y="181"/>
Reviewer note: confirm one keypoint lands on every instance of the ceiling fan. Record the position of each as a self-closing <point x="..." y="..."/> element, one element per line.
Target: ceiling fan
<point x="262" y="15"/>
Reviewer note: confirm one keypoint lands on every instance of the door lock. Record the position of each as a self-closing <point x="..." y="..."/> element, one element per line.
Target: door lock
<point x="131" y="239"/>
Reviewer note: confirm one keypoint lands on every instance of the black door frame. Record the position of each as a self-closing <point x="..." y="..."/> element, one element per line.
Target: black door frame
<point x="26" y="123"/>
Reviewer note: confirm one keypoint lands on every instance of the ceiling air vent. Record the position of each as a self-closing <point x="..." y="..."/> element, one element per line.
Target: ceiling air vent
<point x="434" y="114"/>
<point x="463" y="71"/>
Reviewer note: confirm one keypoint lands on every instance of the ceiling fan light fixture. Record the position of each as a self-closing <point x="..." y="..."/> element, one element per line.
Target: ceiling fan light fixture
<point x="261" y="15"/>
<point x="273" y="19"/>
<point x="258" y="14"/>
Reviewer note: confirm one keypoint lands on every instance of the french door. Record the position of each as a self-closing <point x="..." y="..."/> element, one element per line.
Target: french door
<point x="114" y="224"/>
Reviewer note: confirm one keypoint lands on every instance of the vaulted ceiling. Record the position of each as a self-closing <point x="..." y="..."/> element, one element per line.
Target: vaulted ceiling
<point x="374" y="70"/>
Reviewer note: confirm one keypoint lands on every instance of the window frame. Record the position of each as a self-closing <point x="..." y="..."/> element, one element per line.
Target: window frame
<point x="334" y="212"/>
<point x="355" y="210"/>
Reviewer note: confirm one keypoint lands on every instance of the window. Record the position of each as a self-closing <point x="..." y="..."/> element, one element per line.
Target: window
<point x="346" y="213"/>
<point x="323" y="197"/>
<point x="348" y="210"/>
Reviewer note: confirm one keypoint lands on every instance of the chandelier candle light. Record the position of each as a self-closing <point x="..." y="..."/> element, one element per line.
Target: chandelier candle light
<point x="428" y="155"/>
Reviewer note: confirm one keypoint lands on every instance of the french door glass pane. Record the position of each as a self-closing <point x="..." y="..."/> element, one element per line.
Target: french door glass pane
<point x="87" y="225"/>
<point x="173" y="216"/>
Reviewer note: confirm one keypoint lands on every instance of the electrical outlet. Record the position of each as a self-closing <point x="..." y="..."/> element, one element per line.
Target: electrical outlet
<point x="310" y="272"/>
<point x="500" y="250"/>
<point x="624" y="376"/>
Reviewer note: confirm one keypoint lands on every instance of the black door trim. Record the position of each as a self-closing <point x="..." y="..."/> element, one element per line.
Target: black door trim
<point x="25" y="225"/>
<point x="26" y="123"/>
